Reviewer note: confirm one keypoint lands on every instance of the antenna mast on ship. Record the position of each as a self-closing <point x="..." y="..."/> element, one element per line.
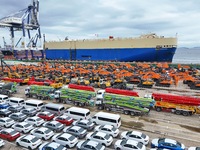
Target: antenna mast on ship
<point x="26" y="21"/>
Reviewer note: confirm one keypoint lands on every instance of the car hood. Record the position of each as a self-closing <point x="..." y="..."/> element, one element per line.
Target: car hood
<point x="117" y="143"/>
<point x="79" y="144"/>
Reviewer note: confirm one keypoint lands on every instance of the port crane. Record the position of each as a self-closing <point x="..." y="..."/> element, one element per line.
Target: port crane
<point x="25" y="21"/>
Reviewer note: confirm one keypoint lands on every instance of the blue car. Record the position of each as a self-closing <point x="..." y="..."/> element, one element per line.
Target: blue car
<point x="167" y="144"/>
<point x="4" y="106"/>
<point x="51" y="146"/>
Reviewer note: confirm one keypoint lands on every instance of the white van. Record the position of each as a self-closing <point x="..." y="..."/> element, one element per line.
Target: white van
<point x="56" y="109"/>
<point x="16" y="101"/>
<point x="3" y="98"/>
<point x="37" y="104"/>
<point x="78" y="113"/>
<point x="104" y="118"/>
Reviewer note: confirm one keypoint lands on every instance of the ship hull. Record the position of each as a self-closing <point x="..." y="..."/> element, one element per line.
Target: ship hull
<point x="115" y="54"/>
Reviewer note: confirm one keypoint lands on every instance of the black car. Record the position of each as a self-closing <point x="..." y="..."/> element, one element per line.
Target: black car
<point x="15" y="108"/>
<point x="29" y="112"/>
<point x="4" y="112"/>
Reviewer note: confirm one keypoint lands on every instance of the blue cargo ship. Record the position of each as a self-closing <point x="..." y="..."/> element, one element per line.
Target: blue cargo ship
<point x="146" y="48"/>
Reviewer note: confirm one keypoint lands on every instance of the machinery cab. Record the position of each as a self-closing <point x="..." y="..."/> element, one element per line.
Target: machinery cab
<point x="99" y="97"/>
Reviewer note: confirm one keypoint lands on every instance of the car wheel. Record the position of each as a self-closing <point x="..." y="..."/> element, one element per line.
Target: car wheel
<point x="104" y="144"/>
<point x="17" y="144"/>
<point x="5" y="126"/>
<point x="43" y="138"/>
<point x="29" y="148"/>
<point x="53" y="141"/>
<point x="118" y="148"/>
<point x="67" y="146"/>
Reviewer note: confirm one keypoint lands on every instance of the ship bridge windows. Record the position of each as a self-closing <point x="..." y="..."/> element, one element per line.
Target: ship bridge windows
<point x="164" y="46"/>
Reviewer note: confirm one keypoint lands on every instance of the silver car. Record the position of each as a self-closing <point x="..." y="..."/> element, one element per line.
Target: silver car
<point x="90" y="145"/>
<point x="18" y="116"/>
<point x="86" y="124"/>
<point x="76" y="131"/>
<point x="54" y="125"/>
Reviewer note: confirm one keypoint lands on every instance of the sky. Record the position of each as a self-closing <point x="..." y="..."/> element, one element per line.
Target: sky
<point x="89" y="19"/>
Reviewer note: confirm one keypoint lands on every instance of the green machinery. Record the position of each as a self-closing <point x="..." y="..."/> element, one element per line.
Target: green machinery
<point x="77" y="97"/>
<point x="40" y="92"/>
<point x="127" y="104"/>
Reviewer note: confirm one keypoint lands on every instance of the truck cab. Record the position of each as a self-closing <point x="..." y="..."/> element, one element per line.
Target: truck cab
<point x="99" y="97"/>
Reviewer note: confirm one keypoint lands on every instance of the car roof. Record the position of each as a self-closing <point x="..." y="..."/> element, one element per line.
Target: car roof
<point x="29" y="108"/>
<point x="66" y="135"/>
<point x="84" y="121"/>
<point x="92" y="143"/>
<point x="63" y="116"/>
<point x="34" y="117"/>
<point x="170" y="141"/>
<point x="9" y="130"/>
<point x="42" y="129"/>
<point x="3" y="110"/>
<point x="5" y="118"/>
<point x="100" y="134"/>
<point x="18" y="113"/>
<point x="75" y="127"/>
<point x="29" y="137"/>
<point x="136" y="133"/>
<point x="132" y="142"/>
<point x="44" y="112"/>
<point x="107" y="126"/>
<point x="53" y="122"/>
<point x="54" y="145"/>
<point x="22" y="123"/>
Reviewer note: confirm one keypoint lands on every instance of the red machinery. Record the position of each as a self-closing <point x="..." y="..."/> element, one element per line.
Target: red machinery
<point x="177" y="99"/>
<point x="122" y="92"/>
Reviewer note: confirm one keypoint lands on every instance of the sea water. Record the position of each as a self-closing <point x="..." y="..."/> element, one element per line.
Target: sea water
<point x="187" y="56"/>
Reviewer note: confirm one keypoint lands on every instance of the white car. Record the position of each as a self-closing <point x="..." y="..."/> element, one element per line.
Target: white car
<point x="193" y="148"/>
<point x="129" y="145"/>
<point x="6" y="122"/>
<point x="103" y="138"/>
<point x="42" y="133"/>
<point x="136" y="136"/>
<point x="109" y="129"/>
<point x="35" y="121"/>
<point x="51" y="146"/>
<point x="65" y="139"/>
<point x="29" y="141"/>
<point x="23" y="127"/>
<point x="2" y="143"/>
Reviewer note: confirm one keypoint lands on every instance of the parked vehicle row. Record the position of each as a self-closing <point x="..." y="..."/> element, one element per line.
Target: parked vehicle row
<point x="43" y="125"/>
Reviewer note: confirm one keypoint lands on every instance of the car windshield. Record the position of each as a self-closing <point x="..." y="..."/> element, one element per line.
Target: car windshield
<point x="71" y="138"/>
<point x="38" y="119"/>
<point x="143" y="136"/>
<point x="123" y="142"/>
<point x="9" y="120"/>
<point x="161" y="140"/>
<point x="68" y="118"/>
<point x="13" y="132"/>
<point x="139" y="145"/>
<point x="34" y="140"/>
<point x="49" y="114"/>
<point x="114" y="129"/>
<point x="47" y="131"/>
<point x="89" y="123"/>
<point x="26" y="125"/>
<point x="198" y="148"/>
<point x="21" y="115"/>
<point x="178" y="144"/>
<point x="58" y="124"/>
<point x="129" y="132"/>
<point x="107" y="136"/>
<point x="81" y="130"/>
<point x="98" y="146"/>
